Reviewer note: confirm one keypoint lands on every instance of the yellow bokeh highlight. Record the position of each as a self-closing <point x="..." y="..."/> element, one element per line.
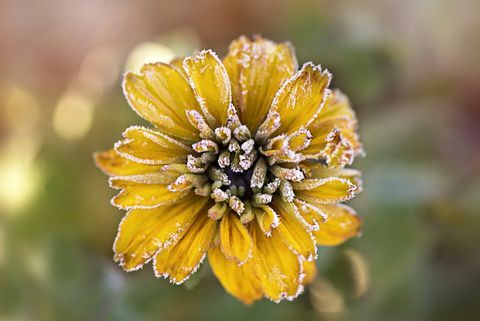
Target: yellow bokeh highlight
<point x="148" y="52"/>
<point x="19" y="176"/>
<point x="73" y="115"/>
<point x="22" y="109"/>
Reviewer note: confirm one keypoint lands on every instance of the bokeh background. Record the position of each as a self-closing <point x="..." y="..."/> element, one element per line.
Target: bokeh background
<point x="412" y="71"/>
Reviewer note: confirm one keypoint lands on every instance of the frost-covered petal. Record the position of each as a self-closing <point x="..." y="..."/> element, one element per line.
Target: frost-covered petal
<point x="211" y="85"/>
<point x="301" y="98"/>
<point x="342" y="223"/>
<point x="309" y="270"/>
<point x="267" y="218"/>
<point x="182" y="259"/>
<point x="142" y="232"/>
<point x="147" y="146"/>
<point x="277" y="268"/>
<point x="325" y="190"/>
<point x="239" y="281"/>
<point x="111" y="163"/>
<point x="162" y="95"/>
<point x="257" y="68"/>
<point x="313" y="170"/>
<point x="294" y="232"/>
<point x="235" y="241"/>
<point x="334" y="132"/>
<point x="138" y="192"/>
<point x="312" y="215"/>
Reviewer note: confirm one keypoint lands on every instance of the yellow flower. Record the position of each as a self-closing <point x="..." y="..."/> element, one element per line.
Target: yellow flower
<point x="244" y="164"/>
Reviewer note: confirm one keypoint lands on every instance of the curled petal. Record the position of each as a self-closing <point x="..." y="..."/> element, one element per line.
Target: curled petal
<point x="341" y="224"/>
<point x="313" y="170"/>
<point x="311" y="214"/>
<point x="325" y="190"/>
<point x="334" y="132"/>
<point x="267" y="218"/>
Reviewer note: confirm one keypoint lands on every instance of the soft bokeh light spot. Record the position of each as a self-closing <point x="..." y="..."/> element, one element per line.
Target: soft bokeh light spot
<point x="73" y="115"/>
<point x="22" y="109"/>
<point x="148" y="52"/>
<point x="19" y="176"/>
<point x="98" y="72"/>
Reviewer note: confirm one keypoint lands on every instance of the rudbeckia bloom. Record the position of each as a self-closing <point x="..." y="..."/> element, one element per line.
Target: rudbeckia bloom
<point x="244" y="164"/>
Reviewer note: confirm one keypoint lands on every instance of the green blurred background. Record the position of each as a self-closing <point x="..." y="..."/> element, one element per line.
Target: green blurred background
<point x="411" y="70"/>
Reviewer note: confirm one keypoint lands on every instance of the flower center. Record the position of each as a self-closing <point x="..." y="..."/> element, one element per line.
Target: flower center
<point x="241" y="182"/>
<point x="228" y="166"/>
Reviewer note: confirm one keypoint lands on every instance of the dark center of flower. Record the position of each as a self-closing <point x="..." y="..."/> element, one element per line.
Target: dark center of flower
<point x="228" y="166"/>
<point x="241" y="181"/>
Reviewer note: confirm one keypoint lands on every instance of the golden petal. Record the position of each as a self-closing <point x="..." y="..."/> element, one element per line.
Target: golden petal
<point x="235" y="241"/>
<point x="309" y="270"/>
<point x="147" y="146"/>
<point x="313" y="170"/>
<point x="161" y="95"/>
<point x="267" y="218"/>
<point x="341" y="224"/>
<point x="142" y="232"/>
<point x="325" y="190"/>
<point x="144" y="193"/>
<point x="257" y="68"/>
<point x="277" y="268"/>
<point x="294" y="232"/>
<point x="239" y="281"/>
<point x="179" y="261"/>
<point x="334" y="132"/>
<point x="111" y="163"/>
<point x="301" y="98"/>
<point x="211" y="85"/>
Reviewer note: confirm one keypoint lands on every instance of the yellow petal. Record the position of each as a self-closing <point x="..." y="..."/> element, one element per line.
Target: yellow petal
<point x="142" y="232"/>
<point x="325" y="190"/>
<point x="178" y="63"/>
<point x="341" y="224"/>
<point x="267" y="218"/>
<point x="311" y="214"/>
<point x="165" y="175"/>
<point x="179" y="261"/>
<point x="146" y="146"/>
<point x="301" y="98"/>
<point x="334" y="132"/>
<point x="209" y="80"/>
<point x="309" y="271"/>
<point x="293" y="231"/>
<point x="257" y="68"/>
<point x="313" y="170"/>
<point x="162" y="95"/>
<point x="235" y="241"/>
<point x="239" y="281"/>
<point x="277" y="268"/>
<point x="111" y="163"/>
<point x="145" y="194"/>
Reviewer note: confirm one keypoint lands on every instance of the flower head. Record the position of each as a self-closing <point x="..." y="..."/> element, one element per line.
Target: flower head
<point x="244" y="164"/>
